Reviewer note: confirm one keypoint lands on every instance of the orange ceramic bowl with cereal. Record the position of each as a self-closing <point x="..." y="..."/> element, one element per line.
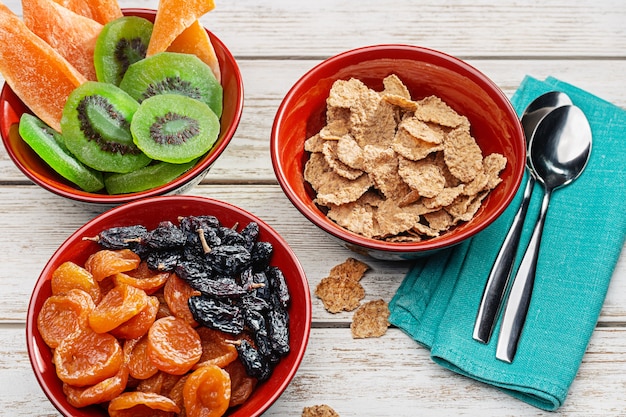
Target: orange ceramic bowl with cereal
<point x="33" y="167"/>
<point x="150" y="212"/>
<point x="425" y="72"/>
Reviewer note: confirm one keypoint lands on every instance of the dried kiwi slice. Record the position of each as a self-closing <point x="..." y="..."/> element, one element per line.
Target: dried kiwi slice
<point x="173" y="73"/>
<point x="174" y="128"/>
<point x="48" y="144"/>
<point x="121" y="43"/>
<point x="151" y="176"/>
<point x="96" y="128"/>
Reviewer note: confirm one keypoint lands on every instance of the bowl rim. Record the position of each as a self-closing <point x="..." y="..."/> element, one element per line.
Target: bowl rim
<point x="187" y="178"/>
<point x="355" y="239"/>
<point x="45" y="276"/>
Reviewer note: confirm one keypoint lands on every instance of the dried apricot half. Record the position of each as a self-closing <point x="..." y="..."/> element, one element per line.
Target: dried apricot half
<point x="118" y="305"/>
<point x="139" y="324"/>
<point x="177" y="292"/>
<point x="69" y="276"/>
<point x="140" y="404"/>
<point x="108" y="262"/>
<point x="87" y="358"/>
<point x="62" y="315"/>
<point x="241" y="385"/>
<point x="207" y="392"/>
<point x="173" y="345"/>
<point x="139" y="365"/>
<point x="217" y="349"/>
<point x="101" y="392"/>
<point x="143" y="277"/>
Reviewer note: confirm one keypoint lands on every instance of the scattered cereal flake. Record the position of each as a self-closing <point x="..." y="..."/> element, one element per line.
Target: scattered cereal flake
<point x="462" y="155"/>
<point x="464" y="208"/>
<point x="444" y="198"/>
<point x="413" y="145"/>
<point x="493" y="165"/>
<point x="356" y="217"/>
<point x="409" y="198"/>
<point x="329" y="150"/>
<point x="393" y="85"/>
<point x="392" y="219"/>
<point x="350" y="153"/>
<point x="339" y="294"/>
<point x="316" y="170"/>
<point x="423" y="176"/>
<point x="335" y="129"/>
<point x="439" y="220"/>
<point x="371" y="319"/>
<point x="346" y="94"/>
<point x="433" y="109"/>
<point x="423" y="230"/>
<point x="373" y="121"/>
<point x="339" y="190"/>
<point x="351" y="268"/>
<point x="321" y="410"/>
<point x="314" y="143"/>
<point x="422" y="131"/>
<point x="382" y="167"/>
<point x="402" y="102"/>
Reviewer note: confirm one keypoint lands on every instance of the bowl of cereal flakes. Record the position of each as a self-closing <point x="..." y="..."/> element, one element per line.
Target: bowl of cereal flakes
<point x="189" y="305"/>
<point x="397" y="151"/>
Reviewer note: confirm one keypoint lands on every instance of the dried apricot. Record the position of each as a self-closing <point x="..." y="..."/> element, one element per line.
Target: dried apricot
<point x="101" y="392"/>
<point x="139" y="324"/>
<point x="62" y="315"/>
<point x="139" y="366"/>
<point x="177" y="293"/>
<point x="69" y="276"/>
<point x="216" y="348"/>
<point x="118" y="305"/>
<point x="144" y="278"/>
<point x="159" y="383"/>
<point x="139" y="404"/>
<point x="176" y="394"/>
<point x="241" y="385"/>
<point x="87" y="358"/>
<point x="207" y="392"/>
<point x="173" y="345"/>
<point x="107" y="262"/>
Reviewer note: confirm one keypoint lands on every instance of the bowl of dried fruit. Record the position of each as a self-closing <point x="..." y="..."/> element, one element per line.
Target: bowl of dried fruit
<point x="397" y="150"/>
<point x="169" y="305"/>
<point x="136" y="103"/>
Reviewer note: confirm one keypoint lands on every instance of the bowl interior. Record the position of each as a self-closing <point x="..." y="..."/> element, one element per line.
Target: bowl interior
<point x="150" y="212"/>
<point x="11" y="109"/>
<point x="425" y="72"/>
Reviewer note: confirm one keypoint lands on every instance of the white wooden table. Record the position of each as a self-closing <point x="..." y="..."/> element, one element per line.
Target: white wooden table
<point x="275" y="42"/>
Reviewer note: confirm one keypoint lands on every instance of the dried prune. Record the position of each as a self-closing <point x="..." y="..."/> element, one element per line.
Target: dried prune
<point x="230" y="237"/>
<point x="255" y="321"/>
<point x="256" y="366"/>
<point x="193" y="270"/>
<point x="278" y="330"/>
<point x="218" y="287"/>
<point x="261" y="283"/>
<point x="250" y="234"/>
<point x="164" y="260"/>
<point x="189" y="224"/>
<point x="229" y="260"/>
<point x="217" y="314"/>
<point x="261" y="255"/>
<point x="123" y="237"/>
<point x="278" y="284"/>
<point x="165" y="236"/>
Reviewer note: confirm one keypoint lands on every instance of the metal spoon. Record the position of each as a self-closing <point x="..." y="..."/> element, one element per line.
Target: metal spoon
<point x="559" y="152"/>
<point x="503" y="265"/>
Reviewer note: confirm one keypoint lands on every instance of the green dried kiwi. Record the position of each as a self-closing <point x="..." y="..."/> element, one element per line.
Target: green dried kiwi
<point x="151" y="176"/>
<point x="96" y="128"/>
<point x="174" y="128"/>
<point x="173" y="73"/>
<point x="49" y="145"/>
<point x="121" y="43"/>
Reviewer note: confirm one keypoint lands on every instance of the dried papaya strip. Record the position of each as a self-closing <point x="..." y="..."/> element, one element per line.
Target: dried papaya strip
<point x="107" y="262"/>
<point x="177" y="292"/>
<point x="99" y="393"/>
<point x="217" y="349"/>
<point x="173" y="345"/>
<point x="138" y="404"/>
<point x="69" y="276"/>
<point x="62" y="315"/>
<point x="207" y="392"/>
<point x="87" y="358"/>
<point x="139" y="324"/>
<point x="116" y="307"/>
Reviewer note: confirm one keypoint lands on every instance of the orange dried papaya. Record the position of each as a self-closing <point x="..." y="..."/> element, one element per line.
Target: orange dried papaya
<point x="102" y="11"/>
<point x="195" y="40"/>
<point x="87" y="358"/>
<point x="45" y="90"/>
<point x="62" y="315"/>
<point x="139" y="404"/>
<point x="69" y="276"/>
<point x="105" y="262"/>
<point x="119" y="305"/>
<point x="172" y="18"/>
<point x="139" y="324"/>
<point x="207" y="392"/>
<point x="72" y="35"/>
<point x="173" y="345"/>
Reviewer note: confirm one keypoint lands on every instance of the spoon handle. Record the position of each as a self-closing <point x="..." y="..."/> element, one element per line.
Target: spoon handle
<point x="521" y="291"/>
<point x="500" y="274"/>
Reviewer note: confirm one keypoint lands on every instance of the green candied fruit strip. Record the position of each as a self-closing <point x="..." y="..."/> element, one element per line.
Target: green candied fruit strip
<point x="145" y="178"/>
<point x="49" y="145"/>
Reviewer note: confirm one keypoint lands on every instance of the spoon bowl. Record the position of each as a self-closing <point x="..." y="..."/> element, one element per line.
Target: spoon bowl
<point x="559" y="152"/>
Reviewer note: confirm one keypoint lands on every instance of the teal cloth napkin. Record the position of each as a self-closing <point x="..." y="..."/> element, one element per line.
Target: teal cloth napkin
<point x="584" y="233"/>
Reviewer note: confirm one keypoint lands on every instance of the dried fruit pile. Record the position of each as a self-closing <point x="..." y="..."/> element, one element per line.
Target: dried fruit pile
<point x="183" y="319"/>
<point x="118" y="102"/>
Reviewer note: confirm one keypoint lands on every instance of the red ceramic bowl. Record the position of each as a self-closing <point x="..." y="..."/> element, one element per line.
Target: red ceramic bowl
<point x="150" y="212"/>
<point x="494" y="122"/>
<point x="11" y="108"/>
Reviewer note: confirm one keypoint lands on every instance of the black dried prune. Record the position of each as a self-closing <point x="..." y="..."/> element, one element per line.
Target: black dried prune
<point x="261" y="255"/>
<point x="122" y="237"/>
<point x="230" y="237"/>
<point x="252" y="302"/>
<point x="229" y="260"/>
<point x="262" y="286"/>
<point x="190" y="270"/>
<point x="216" y="314"/>
<point x="165" y="236"/>
<point x="250" y="233"/>
<point x="218" y="287"/>
<point x="165" y="260"/>
<point x="190" y="224"/>
<point x="278" y="330"/>
<point x="256" y="366"/>
<point x="278" y="285"/>
<point x="255" y="321"/>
